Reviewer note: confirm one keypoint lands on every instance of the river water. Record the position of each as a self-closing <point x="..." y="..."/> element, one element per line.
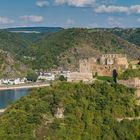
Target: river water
<point x="10" y="96"/>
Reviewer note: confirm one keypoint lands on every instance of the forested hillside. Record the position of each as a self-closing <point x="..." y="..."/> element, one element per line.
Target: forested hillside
<point x="66" y="47"/>
<point x="90" y="113"/>
<point x="55" y="47"/>
<point x="131" y="35"/>
<point x="12" y="42"/>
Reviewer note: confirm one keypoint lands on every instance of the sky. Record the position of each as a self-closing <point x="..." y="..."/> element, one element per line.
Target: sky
<point x="70" y="13"/>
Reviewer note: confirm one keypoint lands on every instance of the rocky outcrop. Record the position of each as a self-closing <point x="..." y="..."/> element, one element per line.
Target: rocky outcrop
<point x="59" y="113"/>
<point x="10" y="67"/>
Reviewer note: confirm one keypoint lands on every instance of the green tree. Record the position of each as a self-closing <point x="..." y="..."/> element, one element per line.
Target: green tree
<point x="32" y="76"/>
<point x="62" y="78"/>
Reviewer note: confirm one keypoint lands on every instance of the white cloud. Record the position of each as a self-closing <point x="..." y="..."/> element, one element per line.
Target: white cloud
<point x="70" y="21"/>
<point x="114" y="22"/>
<point x="107" y="1"/>
<point x="32" y="18"/>
<point x="135" y="9"/>
<point x="118" y="9"/>
<point x="5" y="20"/>
<point x="42" y="3"/>
<point x="76" y="3"/>
<point x="111" y="9"/>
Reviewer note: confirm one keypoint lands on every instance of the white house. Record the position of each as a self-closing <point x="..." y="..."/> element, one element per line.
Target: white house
<point x="66" y="74"/>
<point x="13" y="81"/>
<point x="4" y="81"/>
<point x="17" y="81"/>
<point x="47" y="77"/>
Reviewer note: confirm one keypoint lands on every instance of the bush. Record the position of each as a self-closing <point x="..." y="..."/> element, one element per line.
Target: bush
<point x="62" y="78"/>
<point x="32" y="76"/>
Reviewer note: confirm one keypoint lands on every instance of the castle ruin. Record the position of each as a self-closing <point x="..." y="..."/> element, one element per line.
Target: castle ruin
<point x="104" y="64"/>
<point x="115" y="61"/>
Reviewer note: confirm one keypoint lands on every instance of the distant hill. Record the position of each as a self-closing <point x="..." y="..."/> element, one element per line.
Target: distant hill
<point x="34" y="29"/>
<point x="132" y="35"/>
<point x="66" y="47"/>
<point x="33" y="34"/>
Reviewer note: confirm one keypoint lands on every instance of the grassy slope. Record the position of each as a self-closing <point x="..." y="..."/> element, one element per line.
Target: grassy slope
<point x="90" y="114"/>
<point x="67" y="46"/>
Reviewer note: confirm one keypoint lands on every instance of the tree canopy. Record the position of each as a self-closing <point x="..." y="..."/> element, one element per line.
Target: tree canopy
<point x="90" y="113"/>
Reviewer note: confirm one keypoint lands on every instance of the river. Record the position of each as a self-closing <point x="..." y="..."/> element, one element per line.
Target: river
<point x="10" y="96"/>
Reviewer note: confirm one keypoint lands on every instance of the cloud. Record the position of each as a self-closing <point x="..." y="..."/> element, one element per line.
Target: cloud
<point x="107" y="1"/>
<point x="70" y="21"/>
<point x="42" y="3"/>
<point x="32" y="18"/>
<point x="114" y="22"/>
<point x="76" y="3"/>
<point x="134" y="9"/>
<point x="5" y="20"/>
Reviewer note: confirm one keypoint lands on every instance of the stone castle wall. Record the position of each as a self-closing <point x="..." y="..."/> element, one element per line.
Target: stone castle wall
<point x="132" y="83"/>
<point x="107" y="62"/>
<point x="117" y="61"/>
<point x="77" y="77"/>
<point x="90" y="66"/>
<point x="113" y="55"/>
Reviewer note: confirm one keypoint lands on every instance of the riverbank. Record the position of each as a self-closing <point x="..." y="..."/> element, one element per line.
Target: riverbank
<point x="2" y="111"/>
<point x="24" y="86"/>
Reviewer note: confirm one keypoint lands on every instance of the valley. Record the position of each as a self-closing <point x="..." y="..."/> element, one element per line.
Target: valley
<point x="74" y="94"/>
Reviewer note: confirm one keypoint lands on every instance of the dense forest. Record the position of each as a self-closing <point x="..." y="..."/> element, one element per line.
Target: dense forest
<point x="90" y="113"/>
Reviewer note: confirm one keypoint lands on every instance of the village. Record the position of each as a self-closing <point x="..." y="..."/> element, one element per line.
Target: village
<point x="89" y="68"/>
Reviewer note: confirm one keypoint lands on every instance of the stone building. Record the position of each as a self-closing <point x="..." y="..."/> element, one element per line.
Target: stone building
<point x="115" y="61"/>
<point x="104" y="64"/>
<point x="134" y="64"/>
<point x="131" y="83"/>
<point x="85" y="77"/>
<point x="85" y="65"/>
<point x="91" y="65"/>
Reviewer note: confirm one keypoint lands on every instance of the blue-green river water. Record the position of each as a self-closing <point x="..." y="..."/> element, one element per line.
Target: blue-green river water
<point x="10" y="96"/>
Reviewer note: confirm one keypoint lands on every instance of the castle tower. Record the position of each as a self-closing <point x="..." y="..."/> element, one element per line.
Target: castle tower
<point x="84" y="66"/>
